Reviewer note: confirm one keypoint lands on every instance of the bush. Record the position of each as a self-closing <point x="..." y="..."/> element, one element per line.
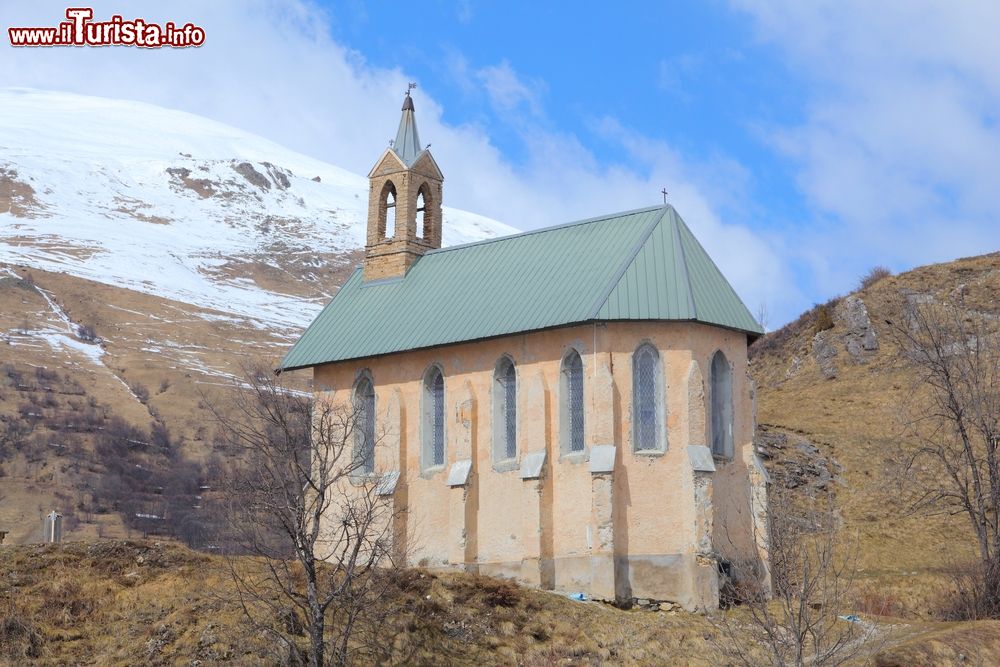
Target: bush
<point x="876" y="274"/>
<point x="501" y="594"/>
<point x="86" y="333"/>
<point x="140" y="391"/>
<point x="879" y="603"/>
<point x="823" y="319"/>
<point x="15" y="376"/>
<point x="160" y="435"/>
<point x="19" y="639"/>
<point x="45" y="376"/>
<point x="974" y="594"/>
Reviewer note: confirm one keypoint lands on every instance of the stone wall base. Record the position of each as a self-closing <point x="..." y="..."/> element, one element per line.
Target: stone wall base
<point x="685" y="580"/>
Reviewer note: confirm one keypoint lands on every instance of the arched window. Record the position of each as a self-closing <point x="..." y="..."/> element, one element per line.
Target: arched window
<point x="433" y="418"/>
<point x="387" y="211"/>
<point x="364" y="425"/>
<point x="647" y="399"/>
<point x="722" y="406"/>
<point x="423" y="195"/>
<point x="505" y="410"/>
<point x="571" y="395"/>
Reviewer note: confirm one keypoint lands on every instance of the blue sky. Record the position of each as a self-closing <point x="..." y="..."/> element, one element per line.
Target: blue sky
<point x="803" y="142"/>
<point x="689" y="74"/>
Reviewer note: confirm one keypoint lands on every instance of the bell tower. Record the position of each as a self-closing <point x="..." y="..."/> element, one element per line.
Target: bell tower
<point x="404" y="203"/>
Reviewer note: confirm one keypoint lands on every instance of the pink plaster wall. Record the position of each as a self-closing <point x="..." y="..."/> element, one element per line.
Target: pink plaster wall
<point x="544" y="531"/>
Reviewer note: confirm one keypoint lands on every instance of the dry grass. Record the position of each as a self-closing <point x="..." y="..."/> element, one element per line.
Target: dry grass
<point x="129" y="603"/>
<point x="960" y="645"/>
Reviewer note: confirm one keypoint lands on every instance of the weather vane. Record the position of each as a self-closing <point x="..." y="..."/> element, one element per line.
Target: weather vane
<point x="410" y="87"/>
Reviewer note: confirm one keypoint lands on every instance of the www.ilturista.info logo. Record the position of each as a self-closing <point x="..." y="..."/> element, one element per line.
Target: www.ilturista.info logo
<point x="80" y="30"/>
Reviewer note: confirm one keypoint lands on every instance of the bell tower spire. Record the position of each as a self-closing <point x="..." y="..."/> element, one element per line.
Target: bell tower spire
<point x="404" y="203"/>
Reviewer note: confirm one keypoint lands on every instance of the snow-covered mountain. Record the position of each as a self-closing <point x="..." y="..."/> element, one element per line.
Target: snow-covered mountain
<point x="179" y="206"/>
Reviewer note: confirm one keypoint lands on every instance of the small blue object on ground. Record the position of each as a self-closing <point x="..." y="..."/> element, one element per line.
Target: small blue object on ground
<point x="579" y="597"/>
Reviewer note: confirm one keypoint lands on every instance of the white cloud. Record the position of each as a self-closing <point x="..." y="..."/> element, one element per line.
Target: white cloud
<point x="271" y="68"/>
<point x="508" y="91"/>
<point x="898" y="152"/>
<point x="464" y="11"/>
<point x="676" y="72"/>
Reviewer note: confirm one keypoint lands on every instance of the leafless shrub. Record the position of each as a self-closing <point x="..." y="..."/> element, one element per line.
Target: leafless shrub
<point x="823" y="319"/>
<point x="874" y="275"/>
<point x="46" y="376"/>
<point x="314" y="522"/>
<point x="763" y="315"/>
<point x="876" y="602"/>
<point x="19" y="639"/>
<point x="813" y="571"/>
<point x="13" y="374"/>
<point x="953" y="416"/>
<point x="86" y="333"/>
<point x="971" y="596"/>
<point x="501" y="593"/>
<point x="140" y="391"/>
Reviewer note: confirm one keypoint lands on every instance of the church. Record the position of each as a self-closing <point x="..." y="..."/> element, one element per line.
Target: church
<point x="569" y="407"/>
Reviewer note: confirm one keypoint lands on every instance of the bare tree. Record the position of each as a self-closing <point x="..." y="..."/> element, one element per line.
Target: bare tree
<point x="813" y="570"/>
<point x="311" y="517"/>
<point x="953" y="414"/>
<point x="763" y="315"/>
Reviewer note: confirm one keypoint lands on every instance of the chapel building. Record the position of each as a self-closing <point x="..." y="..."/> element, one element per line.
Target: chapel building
<point x="568" y="407"/>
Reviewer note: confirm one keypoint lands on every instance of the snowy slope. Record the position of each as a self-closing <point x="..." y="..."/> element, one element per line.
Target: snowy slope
<point x="175" y="205"/>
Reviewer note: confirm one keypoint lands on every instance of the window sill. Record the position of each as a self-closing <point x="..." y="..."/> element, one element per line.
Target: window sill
<point x="575" y="458"/>
<point x="433" y="471"/>
<point x="506" y="465"/>
<point x="363" y="478"/>
<point x="654" y="453"/>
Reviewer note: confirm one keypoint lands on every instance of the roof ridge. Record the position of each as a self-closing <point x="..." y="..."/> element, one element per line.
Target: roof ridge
<point x="574" y="223"/>
<point x="601" y="300"/>
<point x="684" y="263"/>
<point x="711" y="262"/>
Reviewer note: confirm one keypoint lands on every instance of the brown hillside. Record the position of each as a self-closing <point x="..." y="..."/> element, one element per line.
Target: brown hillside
<point x="829" y="396"/>
<point x="132" y="603"/>
<point x="150" y="603"/>
<point x="151" y="366"/>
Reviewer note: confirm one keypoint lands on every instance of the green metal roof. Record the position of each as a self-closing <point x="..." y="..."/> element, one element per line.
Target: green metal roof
<point x="638" y="265"/>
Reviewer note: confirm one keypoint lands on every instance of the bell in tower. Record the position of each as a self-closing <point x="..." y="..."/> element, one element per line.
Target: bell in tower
<point x="404" y="203"/>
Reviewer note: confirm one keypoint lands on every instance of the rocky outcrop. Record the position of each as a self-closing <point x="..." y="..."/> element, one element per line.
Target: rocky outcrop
<point x="275" y="175"/>
<point x="860" y="339"/>
<point x="825" y="353"/>
<point x="794" y="367"/>
<point x="17" y="197"/>
<point x="794" y="462"/>
<point x="852" y="329"/>
<point x="181" y="177"/>
<point x="254" y="177"/>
